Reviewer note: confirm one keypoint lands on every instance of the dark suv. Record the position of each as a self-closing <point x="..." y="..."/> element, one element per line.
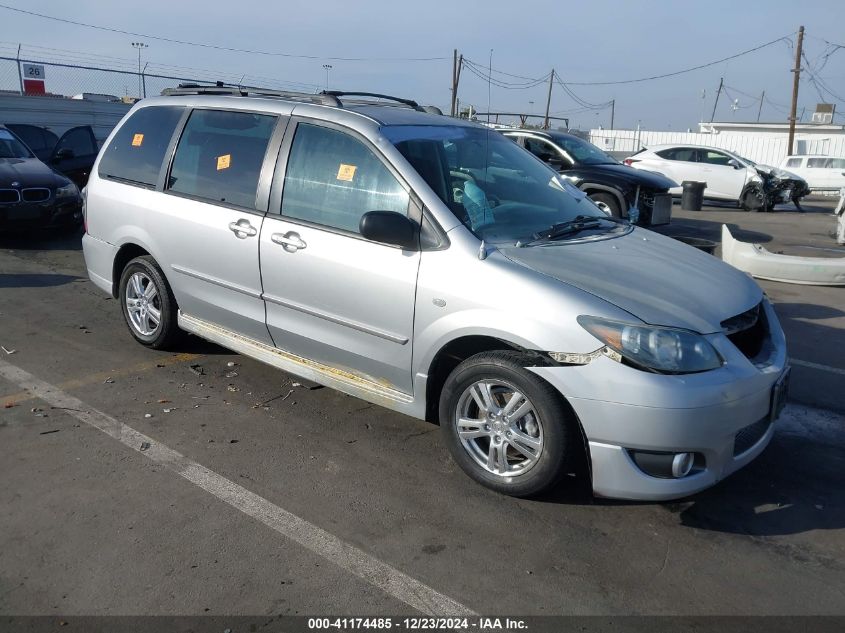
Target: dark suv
<point x="640" y="196"/>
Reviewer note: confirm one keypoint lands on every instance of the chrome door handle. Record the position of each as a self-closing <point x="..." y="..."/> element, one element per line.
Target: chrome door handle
<point x="290" y="241"/>
<point x="243" y="229"/>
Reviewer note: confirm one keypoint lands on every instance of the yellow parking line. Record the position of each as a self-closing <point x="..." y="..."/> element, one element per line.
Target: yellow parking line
<point x="102" y="376"/>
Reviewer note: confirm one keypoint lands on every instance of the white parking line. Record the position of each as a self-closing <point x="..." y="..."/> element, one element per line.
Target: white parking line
<point x="349" y="558"/>
<point x="806" y="363"/>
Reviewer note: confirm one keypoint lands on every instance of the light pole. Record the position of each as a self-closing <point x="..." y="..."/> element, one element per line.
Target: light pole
<point x="139" y="46"/>
<point x="328" y="67"/>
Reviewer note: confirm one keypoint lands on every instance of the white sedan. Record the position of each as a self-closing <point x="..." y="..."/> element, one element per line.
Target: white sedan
<point x="729" y="177"/>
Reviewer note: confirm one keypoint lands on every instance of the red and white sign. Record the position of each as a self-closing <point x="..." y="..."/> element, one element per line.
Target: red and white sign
<point x="33" y="79"/>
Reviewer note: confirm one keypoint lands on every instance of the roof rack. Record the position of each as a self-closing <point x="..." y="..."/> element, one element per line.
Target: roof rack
<point x="326" y="97"/>
<point x="339" y="93"/>
<point x="244" y="91"/>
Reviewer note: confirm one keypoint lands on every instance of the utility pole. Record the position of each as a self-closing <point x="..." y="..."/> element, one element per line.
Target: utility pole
<point x="549" y="100"/>
<point x="760" y="109"/>
<point x="612" y="112"/>
<point x="457" y="64"/>
<point x="795" y="80"/>
<point x="718" y="92"/>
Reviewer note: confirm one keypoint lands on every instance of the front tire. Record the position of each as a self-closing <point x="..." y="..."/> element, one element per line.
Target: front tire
<point x="606" y="201"/>
<point x="147" y="303"/>
<point x="506" y="427"/>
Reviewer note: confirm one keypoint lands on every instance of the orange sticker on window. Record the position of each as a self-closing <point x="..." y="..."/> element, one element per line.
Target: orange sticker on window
<point x="137" y="140"/>
<point x="224" y="161"/>
<point x="346" y="172"/>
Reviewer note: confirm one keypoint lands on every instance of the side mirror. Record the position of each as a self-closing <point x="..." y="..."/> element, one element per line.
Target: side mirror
<point x="389" y="227"/>
<point x="64" y="154"/>
<point x="734" y="163"/>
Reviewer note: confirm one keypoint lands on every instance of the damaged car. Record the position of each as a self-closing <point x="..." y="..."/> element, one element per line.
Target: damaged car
<point x="641" y="197"/>
<point x="431" y="266"/>
<point x="729" y="177"/>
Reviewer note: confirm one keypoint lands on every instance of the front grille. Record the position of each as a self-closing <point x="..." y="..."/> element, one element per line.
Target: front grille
<point x="35" y="194"/>
<point x="747" y="437"/>
<point x="9" y="196"/>
<point x="748" y="331"/>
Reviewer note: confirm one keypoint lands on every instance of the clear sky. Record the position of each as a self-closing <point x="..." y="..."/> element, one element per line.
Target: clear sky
<point x="593" y="41"/>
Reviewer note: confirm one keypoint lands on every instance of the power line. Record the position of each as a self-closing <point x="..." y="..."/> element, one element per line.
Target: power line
<point x="218" y="47"/>
<point x="582" y="102"/>
<point x="480" y="73"/>
<point x="680" y="72"/>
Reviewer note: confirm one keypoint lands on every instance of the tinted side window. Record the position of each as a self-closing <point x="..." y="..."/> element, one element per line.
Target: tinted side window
<point x="33" y="136"/>
<point x="136" y="151"/>
<point x="220" y="154"/>
<point x="541" y="149"/>
<point x="835" y="163"/>
<point x="334" y="179"/>
<point x="678" y="153"/>
<point x="794" y="162"/>
<point x="817" y="162"/>
<point x="80" y="141"/>
<point x="715" y="158"/>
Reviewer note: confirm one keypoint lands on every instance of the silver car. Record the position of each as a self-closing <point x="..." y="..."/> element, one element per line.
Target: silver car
<point x="429" y="265"/>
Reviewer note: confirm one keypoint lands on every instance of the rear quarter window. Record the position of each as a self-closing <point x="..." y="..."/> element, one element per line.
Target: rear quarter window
<point x="136" y="152"/>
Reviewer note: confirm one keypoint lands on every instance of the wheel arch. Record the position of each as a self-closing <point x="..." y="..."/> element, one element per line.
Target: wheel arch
<point x="125" y="254"/>
<point x="592" y="187"/>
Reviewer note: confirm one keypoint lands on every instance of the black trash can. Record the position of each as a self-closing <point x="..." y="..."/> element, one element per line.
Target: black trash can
<point x="693" y="195"/>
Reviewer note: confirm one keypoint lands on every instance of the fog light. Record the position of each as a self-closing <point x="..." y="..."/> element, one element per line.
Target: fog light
<point x="664" y="465"/>
<point x="682" y="464"/>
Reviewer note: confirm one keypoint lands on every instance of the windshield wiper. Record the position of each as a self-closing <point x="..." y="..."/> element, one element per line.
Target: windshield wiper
<point x="565" y="229"/>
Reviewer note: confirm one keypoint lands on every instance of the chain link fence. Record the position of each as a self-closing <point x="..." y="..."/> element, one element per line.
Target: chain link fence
<point x="117" y="79"/>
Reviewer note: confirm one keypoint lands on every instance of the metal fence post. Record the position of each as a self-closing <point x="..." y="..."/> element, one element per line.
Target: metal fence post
<point x="144" y="81"/>
<point x="20" y="73"/>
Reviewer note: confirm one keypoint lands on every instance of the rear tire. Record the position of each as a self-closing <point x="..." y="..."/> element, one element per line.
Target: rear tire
<point x="147" y="303"/>
<point x="608" y="201"/>
<point x="522" y="440"/>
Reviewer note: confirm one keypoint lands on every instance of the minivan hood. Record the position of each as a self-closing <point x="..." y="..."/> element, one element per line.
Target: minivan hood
<point x="655" y="278"/>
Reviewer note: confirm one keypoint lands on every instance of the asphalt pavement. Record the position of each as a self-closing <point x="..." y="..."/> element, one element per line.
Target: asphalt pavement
<point x="257" y="493"/>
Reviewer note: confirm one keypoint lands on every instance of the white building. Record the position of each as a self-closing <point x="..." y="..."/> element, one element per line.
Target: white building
<point x="761" y="142"/>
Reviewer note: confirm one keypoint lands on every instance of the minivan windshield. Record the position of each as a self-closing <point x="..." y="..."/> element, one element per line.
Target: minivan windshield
<point x="11" y="147"/>
<point x="501" y="192"/>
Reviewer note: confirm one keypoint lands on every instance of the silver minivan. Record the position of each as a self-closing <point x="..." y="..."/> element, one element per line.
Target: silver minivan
<point x="431" y="266"/>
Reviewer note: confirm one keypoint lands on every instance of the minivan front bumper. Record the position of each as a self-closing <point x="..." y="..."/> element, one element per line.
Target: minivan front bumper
<point x="722" y="416"/>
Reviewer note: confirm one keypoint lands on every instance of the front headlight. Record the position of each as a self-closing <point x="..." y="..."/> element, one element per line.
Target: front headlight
<point x="661" y="349"/>
<point x="69" y="190"/>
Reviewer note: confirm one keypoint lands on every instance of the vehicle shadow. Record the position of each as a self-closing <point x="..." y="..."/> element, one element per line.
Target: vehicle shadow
<point x="35" y="280"/>
<point x="709" y="230"/>
<point x="794" y="487"/>
<point x="43" y="240"/>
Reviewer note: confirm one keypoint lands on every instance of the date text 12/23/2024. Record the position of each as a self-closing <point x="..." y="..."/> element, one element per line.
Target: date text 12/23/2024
<point x="489" y="624"/>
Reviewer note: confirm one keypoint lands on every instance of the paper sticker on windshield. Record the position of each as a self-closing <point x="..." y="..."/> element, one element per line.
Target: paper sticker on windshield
<point x="137" y="140"/>
<point x="346" y="172"/>
<point x="224" y="161"/>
